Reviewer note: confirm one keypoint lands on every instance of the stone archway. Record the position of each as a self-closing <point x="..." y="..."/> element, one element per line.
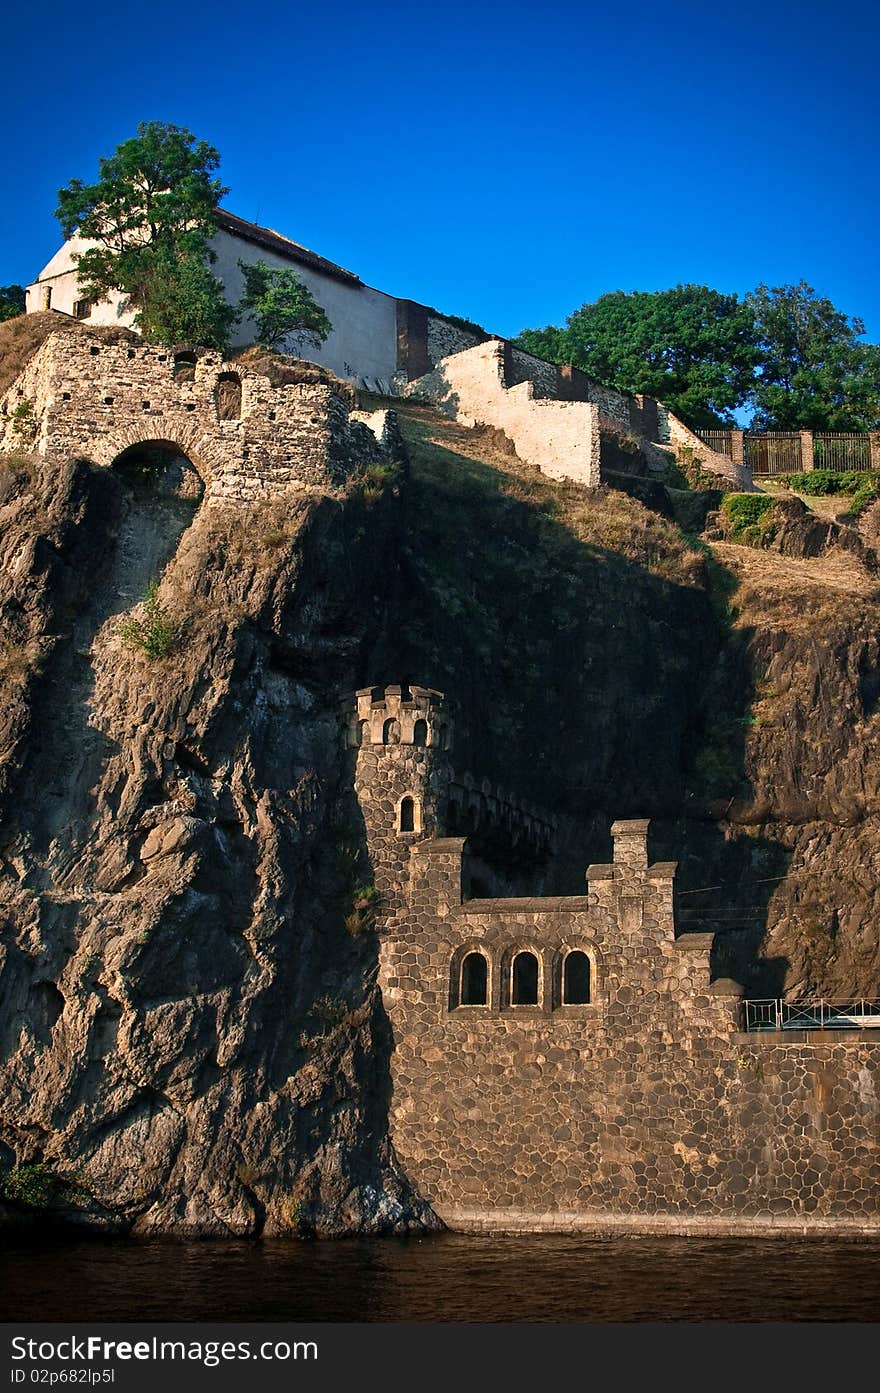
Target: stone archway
<point x="163" y="488"/>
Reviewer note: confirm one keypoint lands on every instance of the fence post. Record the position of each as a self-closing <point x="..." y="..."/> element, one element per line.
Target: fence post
<point x="807" y="453"/>
<point x="737" y="446"/>
<point x="874" y="438"/>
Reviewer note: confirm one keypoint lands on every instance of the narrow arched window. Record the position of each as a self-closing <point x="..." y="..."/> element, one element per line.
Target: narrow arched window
<point x="228" y="396"/>
<point x="576" y="980"/>
<point x="407" y="815"/>
<point x="474" y="980"/>
<point x="420" y="733"/>
<point x="184" y="369"/>
<point x="391" y="733"/>
<point x="363" y="734"/>
<point x="525" y="980"/>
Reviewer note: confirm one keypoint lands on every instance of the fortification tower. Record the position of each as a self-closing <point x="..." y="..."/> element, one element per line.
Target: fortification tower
<point x="403" y="736"/>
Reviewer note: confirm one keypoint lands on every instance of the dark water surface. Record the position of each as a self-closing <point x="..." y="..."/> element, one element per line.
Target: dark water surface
<point x="445" y="1278"/>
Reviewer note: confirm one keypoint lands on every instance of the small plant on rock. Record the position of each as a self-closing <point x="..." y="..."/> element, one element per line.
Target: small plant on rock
<point x="364" y="904"/>
<point x="31" y="1186"/>
<point x="157" y="633"/>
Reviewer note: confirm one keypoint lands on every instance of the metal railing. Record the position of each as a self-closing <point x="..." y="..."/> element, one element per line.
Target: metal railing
<point x="721" y="441"/>
<point x="778" y="452"/>
<point x="841" y="451"/>
<point x="776" y="1014"/>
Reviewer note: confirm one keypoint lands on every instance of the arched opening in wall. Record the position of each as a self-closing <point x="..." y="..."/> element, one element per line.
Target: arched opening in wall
<point x="228" y="396"/>
<point x="363" y="733"/>
<point x="474" y="980"/>
<point x="524" y="980"/>
<point x="576" y="979"/>
<point x="409" y="819"/>
<point x="391" y="733"/>
<point x="420" y="733"/>
<point x="184" y="368"/>
<point x="162" y="491"/>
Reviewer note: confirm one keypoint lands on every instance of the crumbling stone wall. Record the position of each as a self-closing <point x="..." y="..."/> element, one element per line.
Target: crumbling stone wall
<point x="643" y="1108"/>
<point x="247" y="437"/>
<point x="689" y="446"/>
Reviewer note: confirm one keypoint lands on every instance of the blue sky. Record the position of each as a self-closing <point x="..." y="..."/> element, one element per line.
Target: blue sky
<point x="506" y="162"/>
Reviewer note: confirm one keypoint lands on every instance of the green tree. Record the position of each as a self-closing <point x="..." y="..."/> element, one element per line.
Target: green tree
<point x="12" y="301"/>
<point x="150" y="218"/>
<point x="814" y="374"/>
<point x="282" y="306"/>
<point x="692" y="347"/>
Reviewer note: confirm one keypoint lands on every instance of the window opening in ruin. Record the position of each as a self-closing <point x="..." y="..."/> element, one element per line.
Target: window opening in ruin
<point x="228" y="396"/>
<point x="576" y="980"/>
<point x="184" y="369"/>
<point x="391" y="733"/>
<point x="420" y="733"/>
<point x="82" y="309"/>
<point x="525" y="980"/>
<point x="407" y="815"/>
<point x="474" y="980"/>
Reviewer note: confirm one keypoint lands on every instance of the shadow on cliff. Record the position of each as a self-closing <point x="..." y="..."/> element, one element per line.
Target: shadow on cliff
<point x="589" y="649"/>
<point x="136" y="514"/>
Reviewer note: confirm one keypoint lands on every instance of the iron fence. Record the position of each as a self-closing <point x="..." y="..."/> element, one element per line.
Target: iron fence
<point x="721" y="441"/>
<point x="778" y="452"/>
<point x="776" y="1014"/>
<point x="841" y="450"/>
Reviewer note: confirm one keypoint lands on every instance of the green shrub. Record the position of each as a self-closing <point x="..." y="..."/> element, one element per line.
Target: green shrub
<point x="157" y="633"/>
<point x="748" y="514"/>
<point x="32" y="1186"/>
<point x="867" y="491"/>
<point x="819" y="483"/>
<point x="364" y="902"/>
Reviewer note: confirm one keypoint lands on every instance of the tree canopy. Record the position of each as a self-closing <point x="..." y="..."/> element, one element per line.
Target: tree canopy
<point x="813" y="372"/>
<point x="282" y="306"/>
<point x="12" y="301"/>
<point x="785" y="351"/>
<point x="150" y="215"/>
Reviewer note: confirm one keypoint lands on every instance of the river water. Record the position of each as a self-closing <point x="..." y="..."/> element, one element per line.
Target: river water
<point x="448" y="1277"/>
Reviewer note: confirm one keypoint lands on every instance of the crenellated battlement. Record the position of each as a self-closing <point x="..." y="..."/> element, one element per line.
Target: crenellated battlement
<point x="398" y="715"/>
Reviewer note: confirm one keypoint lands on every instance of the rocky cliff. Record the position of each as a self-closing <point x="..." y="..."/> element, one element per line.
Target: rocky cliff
<point x="190" y="1034"/>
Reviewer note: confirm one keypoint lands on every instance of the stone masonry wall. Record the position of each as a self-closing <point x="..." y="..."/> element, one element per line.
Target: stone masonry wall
<point x="644" y="1109"/>
<point x="677" y="434"/>
<point x="95" y="399"/>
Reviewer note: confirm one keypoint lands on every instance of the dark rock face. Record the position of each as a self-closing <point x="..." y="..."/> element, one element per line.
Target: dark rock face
<point x="189" y="1037"/>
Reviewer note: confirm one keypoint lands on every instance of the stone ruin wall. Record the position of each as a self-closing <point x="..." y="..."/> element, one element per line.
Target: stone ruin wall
<point x="647" y="1109"/>
<point x="95" y="399"/>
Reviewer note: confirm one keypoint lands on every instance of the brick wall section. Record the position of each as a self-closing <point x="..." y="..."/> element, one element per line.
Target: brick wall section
<point x="561" y="439"/>
<point x="95" y="399"/>
<point x="444" y="338"/>
<point x="644" y="1109"/>
<point x="677" y="434"/>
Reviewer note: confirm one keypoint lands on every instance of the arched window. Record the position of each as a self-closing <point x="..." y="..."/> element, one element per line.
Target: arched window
<point x="184" y="369"/>
<point x="407" y="814"/>
<point x="525" y="980"/>
<point x="576" y="979"/>
<point x="391" y="733"/>
<point x="420" y="733"/>
<point x="363" y="736"/>
<point x="228" y="396"/>
<point x="474" y="980"/>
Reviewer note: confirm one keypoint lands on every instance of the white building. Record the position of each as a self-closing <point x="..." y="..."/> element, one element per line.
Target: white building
<point x="374" y="336"/>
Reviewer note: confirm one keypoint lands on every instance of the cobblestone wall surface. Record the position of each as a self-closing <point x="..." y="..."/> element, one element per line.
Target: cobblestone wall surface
<point x="247" y="438"/>
<point x="644" y="1108"/>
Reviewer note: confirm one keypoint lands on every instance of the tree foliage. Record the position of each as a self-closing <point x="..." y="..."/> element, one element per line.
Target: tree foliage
<point x="150" y="216"/>
<point x="12" y="301"/>
<point x="691" y="347"/>
<point x="282" y="306"/>
<point x="813" y="374"/>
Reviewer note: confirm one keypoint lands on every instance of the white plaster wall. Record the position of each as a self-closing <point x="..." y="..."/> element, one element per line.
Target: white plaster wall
<point x="560" y="438"/>
<point x="363" y="340"/>
<point x="362" y="343"/>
